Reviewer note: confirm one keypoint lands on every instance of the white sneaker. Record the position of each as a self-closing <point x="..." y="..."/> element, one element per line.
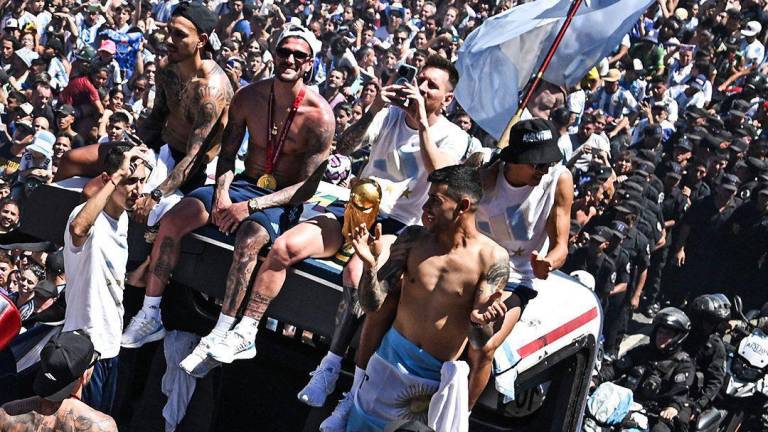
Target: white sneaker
<point x="198" y="363"/>
<point x="233" y="346"/>
<point x="337" y="422"/>
<point x="322" y="384"/>
<point x="142" y="330"/>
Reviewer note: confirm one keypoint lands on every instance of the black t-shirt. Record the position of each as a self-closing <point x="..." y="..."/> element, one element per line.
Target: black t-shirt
<point x="8" y="161"/>
<point x="744" y="236"/>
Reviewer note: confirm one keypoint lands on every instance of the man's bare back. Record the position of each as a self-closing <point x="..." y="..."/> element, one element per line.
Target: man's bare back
<point x="183" y="103"/>
<point x="310" y="128"/>
<point x="28" y="415"/>
<point x="440" y="287"/>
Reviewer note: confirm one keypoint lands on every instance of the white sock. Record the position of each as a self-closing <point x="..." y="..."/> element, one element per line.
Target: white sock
<point x="248" y="327"/>
<point x="151" y="306"/>
<point x="357" y="380"/>
<point x="331" y="360"/>
<point x="223" y="325"/>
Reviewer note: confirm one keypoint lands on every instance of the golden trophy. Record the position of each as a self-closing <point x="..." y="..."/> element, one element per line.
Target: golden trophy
<point x="362" y="208"/>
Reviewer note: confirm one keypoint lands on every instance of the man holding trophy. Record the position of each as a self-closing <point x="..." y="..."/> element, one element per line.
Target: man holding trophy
<point x="409" y="139"/>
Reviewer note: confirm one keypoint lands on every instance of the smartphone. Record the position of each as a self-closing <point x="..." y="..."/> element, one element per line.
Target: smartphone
<point x="406" y="74"/>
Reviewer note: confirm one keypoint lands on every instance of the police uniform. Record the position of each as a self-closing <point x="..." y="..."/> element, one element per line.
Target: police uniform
<point x="709" y="356"/>
<point x="658" y="380"/>
<point x="613" y="306"/>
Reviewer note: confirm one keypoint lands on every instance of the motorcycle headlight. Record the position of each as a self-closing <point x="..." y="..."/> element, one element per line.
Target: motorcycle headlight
<point x="745" y="371"/>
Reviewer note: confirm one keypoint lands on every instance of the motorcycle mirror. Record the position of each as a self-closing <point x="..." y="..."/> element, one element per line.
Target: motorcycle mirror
<point x="738" y="307"/>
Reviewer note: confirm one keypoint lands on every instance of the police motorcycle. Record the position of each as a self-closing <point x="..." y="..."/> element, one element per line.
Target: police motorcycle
<point x="744" y="396"/>
<point x="612" y="405"/>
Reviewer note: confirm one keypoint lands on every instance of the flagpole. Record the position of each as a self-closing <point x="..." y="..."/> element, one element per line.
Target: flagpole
<point x="533" y="84"/>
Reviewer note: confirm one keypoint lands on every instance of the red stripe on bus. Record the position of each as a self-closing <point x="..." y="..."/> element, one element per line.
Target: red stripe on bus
<point x="542" y="341"/>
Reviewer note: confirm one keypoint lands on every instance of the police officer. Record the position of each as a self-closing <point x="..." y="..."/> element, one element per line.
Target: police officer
<point x="706" y="348"/>
<point x="614" y="305"/>
<point x="660" y="372"/>
<point x="592" y="259"/>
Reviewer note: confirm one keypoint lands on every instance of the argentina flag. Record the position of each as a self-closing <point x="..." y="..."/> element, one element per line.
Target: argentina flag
<point x="500" y="56"/>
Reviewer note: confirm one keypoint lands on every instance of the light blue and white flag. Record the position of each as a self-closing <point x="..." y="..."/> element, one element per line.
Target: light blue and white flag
<point x="499" y="57"/>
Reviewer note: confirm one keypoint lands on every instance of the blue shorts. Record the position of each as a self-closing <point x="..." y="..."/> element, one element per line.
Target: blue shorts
<point x="276" y="220"/>
<point x="524" y="293"/>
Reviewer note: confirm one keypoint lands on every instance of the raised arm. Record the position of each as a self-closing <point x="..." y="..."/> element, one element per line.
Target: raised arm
<point x="351" y="139"/>
<point x="380" y="278"/>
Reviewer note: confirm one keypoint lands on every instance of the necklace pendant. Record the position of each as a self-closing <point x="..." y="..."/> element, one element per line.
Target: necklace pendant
<point x="273" y="131"/>
<point x="267" y="181"/>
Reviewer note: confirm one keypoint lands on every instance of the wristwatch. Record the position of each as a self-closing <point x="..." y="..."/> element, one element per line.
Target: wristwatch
<point x="253" y="205"/>
<point x="156" y="195"/>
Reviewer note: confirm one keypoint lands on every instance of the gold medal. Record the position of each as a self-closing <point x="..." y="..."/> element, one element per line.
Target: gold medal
<point x="267" y="181"/>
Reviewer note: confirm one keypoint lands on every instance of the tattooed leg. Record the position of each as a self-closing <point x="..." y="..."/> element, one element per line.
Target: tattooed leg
<point x="251" y="237"/>
<point x="185" y="217"/>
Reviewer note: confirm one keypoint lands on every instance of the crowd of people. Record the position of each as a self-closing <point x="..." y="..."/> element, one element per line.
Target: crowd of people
<point x="651" y="174"/>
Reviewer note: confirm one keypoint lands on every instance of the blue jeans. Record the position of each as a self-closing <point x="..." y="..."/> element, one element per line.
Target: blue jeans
<point x="100" y="391"/>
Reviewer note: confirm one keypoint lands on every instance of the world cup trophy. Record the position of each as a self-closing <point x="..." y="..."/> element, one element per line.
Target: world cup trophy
<point x="362" y="208"/>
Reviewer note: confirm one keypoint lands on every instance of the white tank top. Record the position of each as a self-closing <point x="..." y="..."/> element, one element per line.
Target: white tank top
<point x="516" y="217"/>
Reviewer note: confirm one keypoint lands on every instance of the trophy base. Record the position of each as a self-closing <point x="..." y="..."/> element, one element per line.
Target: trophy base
<point x="344" y="254"/>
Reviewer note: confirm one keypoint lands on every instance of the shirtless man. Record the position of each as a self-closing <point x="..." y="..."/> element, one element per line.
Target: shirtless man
<point x="444" y="281"/>
<point x="187" y="119"/>
<point x="251" y="209"/>
<point x="66" y="365"/>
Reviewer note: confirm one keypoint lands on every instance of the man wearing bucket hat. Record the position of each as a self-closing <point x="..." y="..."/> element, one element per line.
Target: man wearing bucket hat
<point x="66" y="364"/>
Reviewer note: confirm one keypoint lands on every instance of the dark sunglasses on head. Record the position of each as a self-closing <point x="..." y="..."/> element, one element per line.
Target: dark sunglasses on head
<point x="285" y="53"/>
<point x="96" y="357"/>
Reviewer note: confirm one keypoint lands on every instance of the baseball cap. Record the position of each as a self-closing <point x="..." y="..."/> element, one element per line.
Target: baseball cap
<point x="86" y="53"/>
<point x="620" y="228"/>
<point x="602" y="234"/>
<point x="738" y="145"/>
<point x="629" y="206"/>
<point x="301" y="32"/>
<point x="674" y="170"/>
<point x="108" y="46"/>
<point x="65" y="109"/>
<point x="54" y="262"/>
<point x="652" y="36"/>
<point x="653" y="131"/>
<point x="613" y="75"/>
<point x="11" y="23"/>
<point x="94" y="8"/>
<point x="684" y="143"/>
<point x="43" y="143"/>
<point x="532" y="141"/>
<point x="730" y="182"/>
<point x="201" y="17"/>
<point x="752" y="29"/>
<point x="63" y="360"/>
<point x="55" y="44"/>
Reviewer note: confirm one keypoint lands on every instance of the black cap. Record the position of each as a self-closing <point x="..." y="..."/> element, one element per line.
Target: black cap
<point x="674" y="170"/>
<point x="620" y="228"/>
<point x="602" y="234"/>
<point x="532" y="142"/>
<point x="653" y="131"/>
<point x="756" y="164"/>
<point x="602" y="173"/>
<point x="54" y="262"/>
<point x="730" y="182"/>
<point x="629" y="206"/>
<point x="684" y="143"/>
<point x="66" y="109"/>
<point x="695" y="112"/>
<point x="738" y="145"/>
<point x="201" y="17"/>
<point x="55" y="44"/>
<point x="63" y="360"/>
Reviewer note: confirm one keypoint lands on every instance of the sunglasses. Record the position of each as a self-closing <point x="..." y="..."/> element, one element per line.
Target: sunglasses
<point x="96" y="358"/>
<point x="285" y="53"/>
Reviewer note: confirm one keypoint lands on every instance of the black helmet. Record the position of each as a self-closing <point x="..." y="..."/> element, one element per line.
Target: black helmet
<point x="673" y="319"/>
<point x="712" y="308"/>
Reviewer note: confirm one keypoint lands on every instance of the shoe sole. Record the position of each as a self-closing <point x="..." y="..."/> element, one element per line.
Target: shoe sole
<point x="243" y="355"/>
<point x="308" y="402"/>
<point x="151" y="338"/>
<point x="197" y="375"/>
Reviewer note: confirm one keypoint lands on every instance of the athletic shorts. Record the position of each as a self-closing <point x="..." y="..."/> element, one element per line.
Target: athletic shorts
<point x="525" y="293"/>
<point x="276" y="220"/>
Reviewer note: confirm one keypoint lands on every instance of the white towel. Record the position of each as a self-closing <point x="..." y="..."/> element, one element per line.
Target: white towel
<point x="449" y="407"/>
<point x="177" y="385"/>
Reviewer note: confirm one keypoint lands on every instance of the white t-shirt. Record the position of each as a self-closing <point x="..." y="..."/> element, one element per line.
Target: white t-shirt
<point x="596" y="142"/>
<point x="396" y="157"/>
<point x="95" y="275"/>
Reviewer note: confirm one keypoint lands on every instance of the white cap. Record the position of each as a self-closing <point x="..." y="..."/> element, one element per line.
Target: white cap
<point x="43" y="143"/>
<point x="11" y="23"/>
<point x="301" y="32"/>
<point x="752" y="29"/>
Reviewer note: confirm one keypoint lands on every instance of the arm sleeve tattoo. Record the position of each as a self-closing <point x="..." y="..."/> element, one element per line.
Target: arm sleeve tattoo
<point x="493" y="280"/>
<point x="376" y="283"/>
<point x="350" y="139"/>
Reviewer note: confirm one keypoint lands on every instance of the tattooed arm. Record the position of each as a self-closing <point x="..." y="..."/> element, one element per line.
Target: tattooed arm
<point x="231" y="139"/>
<point x="488" y="308"/>
<point x="378" y="279"/>
<point x="351" y="139"/>
<point x="212" y="100"/>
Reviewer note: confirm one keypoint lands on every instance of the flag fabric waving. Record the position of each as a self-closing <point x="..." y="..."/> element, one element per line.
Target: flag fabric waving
<point x="498" y="58"/>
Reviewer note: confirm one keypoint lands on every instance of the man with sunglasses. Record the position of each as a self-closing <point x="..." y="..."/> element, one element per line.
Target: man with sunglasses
<point x="66" y="366"/>
<point x="290" y="131"/>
